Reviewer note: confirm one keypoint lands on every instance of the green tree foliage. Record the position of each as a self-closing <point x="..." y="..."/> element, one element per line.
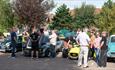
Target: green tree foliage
<point x="7" y="18"/>
<point x="106" y="19"/>
<point x="62" y="19"/>
<point x="85" y="16"/>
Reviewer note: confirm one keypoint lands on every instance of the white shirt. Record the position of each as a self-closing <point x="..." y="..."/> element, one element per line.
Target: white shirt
<point x="83" y="39"/>
<point x="46" y="33"/>
<point x="53" y="39"/>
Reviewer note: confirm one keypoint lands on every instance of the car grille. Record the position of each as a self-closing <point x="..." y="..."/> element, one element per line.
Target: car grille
<point x="74" y="54"/>
<point x="113" y="53"/>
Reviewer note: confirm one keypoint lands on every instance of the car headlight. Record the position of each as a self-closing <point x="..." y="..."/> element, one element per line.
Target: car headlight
<point x="7" y="44"/>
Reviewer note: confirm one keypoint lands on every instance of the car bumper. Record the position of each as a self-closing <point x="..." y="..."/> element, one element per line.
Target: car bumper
<point x="111" y="55"/>
<point x="73" y="55"/>
<point x="2" y="50"/>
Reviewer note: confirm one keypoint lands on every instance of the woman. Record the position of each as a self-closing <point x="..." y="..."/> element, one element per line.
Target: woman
<point x="91" y="49"/>
<point x="103" y="47"/>
<point x="97" y="47"/>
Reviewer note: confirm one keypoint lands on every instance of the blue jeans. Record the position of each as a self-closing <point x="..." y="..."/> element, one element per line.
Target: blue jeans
<point x="13" y="45"/>
<point x="97" y="51"/>
<point x="52" y="51"/>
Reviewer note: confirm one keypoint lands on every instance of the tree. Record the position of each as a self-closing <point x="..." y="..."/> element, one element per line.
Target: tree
<point x="62" y="18"/>
<point x="32" y="12"/>
<point x="106" y="18"/>
<point x="7" y="18"/>
<point x="84" y="16"/>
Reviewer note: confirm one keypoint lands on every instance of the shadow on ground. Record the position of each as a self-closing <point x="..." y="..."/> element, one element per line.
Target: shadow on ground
<point x="26" y="63"/>
<point x="112" y="60"/>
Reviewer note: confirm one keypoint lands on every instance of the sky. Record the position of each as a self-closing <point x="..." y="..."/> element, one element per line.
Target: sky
<point x="77" y="3"/>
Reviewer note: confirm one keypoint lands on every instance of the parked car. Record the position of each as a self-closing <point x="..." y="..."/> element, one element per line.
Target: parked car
<point x="65" y="33"/>
<point x="6" y="45"/>
<point x="71" y="53"/>
<point x="1" y="47"/>
<point x="111" y="47"/>
<point x="44" y="49"/>
<point x="74" y="52"/>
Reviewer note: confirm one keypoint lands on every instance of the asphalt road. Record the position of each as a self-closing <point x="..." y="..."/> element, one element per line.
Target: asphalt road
<point x="58" y="63"/>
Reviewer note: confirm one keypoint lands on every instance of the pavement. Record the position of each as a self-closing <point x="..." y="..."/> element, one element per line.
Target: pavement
<point x="58" y="63"/>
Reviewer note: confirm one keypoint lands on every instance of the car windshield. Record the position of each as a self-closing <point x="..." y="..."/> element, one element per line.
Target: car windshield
<point x="113" y="39"/>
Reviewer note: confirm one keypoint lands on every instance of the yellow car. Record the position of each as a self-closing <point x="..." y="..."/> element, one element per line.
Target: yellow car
<point x="74" y="52"/>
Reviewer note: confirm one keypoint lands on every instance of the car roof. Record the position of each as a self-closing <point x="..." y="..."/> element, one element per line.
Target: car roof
<point x="112" y="35"/>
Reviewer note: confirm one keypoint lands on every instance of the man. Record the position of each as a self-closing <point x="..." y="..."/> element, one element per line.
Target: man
<point x="83" y="40"/>
<point x="78" y="31"/>
<point x="43" y="40"/>
<point x="66" y="48"/>
<point x="34" y="41"/>
<point x="103" y="54"/>
<point x="53" y="41"/>
<point x="13" y="41"/>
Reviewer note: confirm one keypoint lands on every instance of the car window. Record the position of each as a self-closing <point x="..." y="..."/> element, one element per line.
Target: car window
<point x="113" y="39"/>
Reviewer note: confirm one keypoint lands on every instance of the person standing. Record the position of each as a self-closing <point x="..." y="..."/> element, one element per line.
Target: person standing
<point x="53" y="41"/>
<point x="83" y="40"/>
<point x="13" y="41"/>
<point x="78" y="32"/>
<point x="34" y="42"/>
<point x="97" y="47"/>
<point x="91" y="49"/>
<point x="66" y="47"/>
<point x="103" y="54"/>
<point x="43" y="40"/>
<point x="25" y="37"/>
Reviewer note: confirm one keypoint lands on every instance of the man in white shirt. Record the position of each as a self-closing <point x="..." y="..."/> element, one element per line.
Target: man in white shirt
<point x="83" y="40"/>
<point x="53" y="40"/>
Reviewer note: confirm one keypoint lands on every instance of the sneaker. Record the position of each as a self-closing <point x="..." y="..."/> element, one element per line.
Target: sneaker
<point x="103" y="66"/>
<point x="13" y="57"/>
<point x="85" y="66"/>
<point x="79" y="65"/>
<point x="32" y="57"/>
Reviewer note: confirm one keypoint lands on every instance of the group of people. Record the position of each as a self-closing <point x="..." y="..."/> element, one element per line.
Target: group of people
<point x="90" y="45"/>
<point x="37" y="39"/>
<point x="95" y="43"/>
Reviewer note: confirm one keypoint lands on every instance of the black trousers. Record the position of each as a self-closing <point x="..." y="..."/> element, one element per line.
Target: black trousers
<point x="103" y="58"/>
<point x="91" y="52"/>
<point x="35" y="49"/>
